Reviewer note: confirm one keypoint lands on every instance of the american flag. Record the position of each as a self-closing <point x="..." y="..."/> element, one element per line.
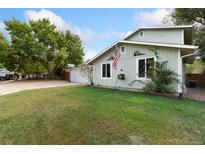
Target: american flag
<point x="117" y="57"/>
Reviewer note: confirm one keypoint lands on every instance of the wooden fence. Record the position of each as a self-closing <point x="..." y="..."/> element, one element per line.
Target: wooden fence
<point x="200" y="78"/>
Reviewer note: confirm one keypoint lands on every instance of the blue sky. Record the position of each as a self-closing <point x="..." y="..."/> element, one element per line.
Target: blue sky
<point x="98" y="28"/>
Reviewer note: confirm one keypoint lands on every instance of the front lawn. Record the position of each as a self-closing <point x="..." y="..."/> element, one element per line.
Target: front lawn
<point x="85" y="115"/>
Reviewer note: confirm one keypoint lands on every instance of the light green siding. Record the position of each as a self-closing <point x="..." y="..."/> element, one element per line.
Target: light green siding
<point x="160" y="36"/>
<point x="127" y="65"/>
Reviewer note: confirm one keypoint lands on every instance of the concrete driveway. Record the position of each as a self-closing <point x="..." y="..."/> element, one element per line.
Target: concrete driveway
<point x="196" y="93"/>
<point x="7" y="87"/>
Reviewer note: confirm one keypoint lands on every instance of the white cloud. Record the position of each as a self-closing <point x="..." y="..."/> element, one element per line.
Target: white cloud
<point x="89" y="53"/>
<point x="153" y="18"/>
<point x="85" y="33"/>
<point x="3" y="30"/>
<point x="110" y="33"/>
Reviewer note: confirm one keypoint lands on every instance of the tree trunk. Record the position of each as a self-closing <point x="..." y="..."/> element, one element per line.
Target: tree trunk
<point x="37" y="72"/>
<point x="51" y="75"/>
<point x="51" y="72"/>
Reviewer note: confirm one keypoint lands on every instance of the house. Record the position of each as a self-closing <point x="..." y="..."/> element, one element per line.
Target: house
<point x="171" y="46"/>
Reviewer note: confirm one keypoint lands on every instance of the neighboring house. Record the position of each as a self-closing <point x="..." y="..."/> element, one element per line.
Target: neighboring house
<point x="171" y="46"/>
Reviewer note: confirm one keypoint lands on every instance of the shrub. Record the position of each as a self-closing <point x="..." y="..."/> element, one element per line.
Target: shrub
<point x="87" y="72"/>
<point x="161" y="80"/>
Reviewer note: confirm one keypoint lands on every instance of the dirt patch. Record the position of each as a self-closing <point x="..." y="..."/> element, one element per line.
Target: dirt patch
<point x="7" y="87"/>
<point x="136" y="139"/>
<point x="108" y="126"/>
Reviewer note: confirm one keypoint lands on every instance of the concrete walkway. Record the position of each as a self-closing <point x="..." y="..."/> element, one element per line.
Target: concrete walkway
<point x="7" y="87"/>
<point x="196" y="94"/>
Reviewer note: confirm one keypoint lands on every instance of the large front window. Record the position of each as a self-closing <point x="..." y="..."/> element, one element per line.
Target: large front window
<point x="106" y="70"/>
<point x="145" y="68"/>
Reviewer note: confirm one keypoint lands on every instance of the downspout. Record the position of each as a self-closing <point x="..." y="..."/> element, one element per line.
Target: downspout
<point x="188" y="55"/>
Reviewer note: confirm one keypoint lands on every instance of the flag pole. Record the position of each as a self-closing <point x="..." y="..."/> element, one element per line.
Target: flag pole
<point x="117" y="75"/>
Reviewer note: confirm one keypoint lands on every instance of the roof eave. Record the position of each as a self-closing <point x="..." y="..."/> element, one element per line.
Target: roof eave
<point x="161" y="44"/>
<point x="190" y="47"/>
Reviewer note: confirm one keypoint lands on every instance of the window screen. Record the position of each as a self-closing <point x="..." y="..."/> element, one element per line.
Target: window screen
<point x="106" y="71"/>
<point x="141" y="68"/>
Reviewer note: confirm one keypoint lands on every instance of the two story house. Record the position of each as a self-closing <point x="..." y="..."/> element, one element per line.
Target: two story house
<point x="171" y="46"/>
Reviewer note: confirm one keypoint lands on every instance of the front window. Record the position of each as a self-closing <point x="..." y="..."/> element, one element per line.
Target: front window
<point x="106" y="70"/>
<point x="145" y="68"/>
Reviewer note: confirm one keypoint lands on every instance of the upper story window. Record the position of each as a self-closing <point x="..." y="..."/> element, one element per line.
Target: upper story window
<point x="145" y="68"/>
<point x="122" y="49"/>
<point x="141" y="33"/>
<point x="106" y="71"/>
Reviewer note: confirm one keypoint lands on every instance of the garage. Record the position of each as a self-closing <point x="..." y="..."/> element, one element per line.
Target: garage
<point x="77" y="77"/>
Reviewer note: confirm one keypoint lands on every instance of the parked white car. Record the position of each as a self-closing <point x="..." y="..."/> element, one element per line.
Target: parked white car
<point x="5" y="74"/>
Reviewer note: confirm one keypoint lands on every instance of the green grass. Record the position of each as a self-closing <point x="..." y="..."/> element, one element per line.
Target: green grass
<point x="86" y="115"/>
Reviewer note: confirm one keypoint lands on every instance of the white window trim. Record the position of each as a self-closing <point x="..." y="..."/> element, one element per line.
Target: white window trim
<point x="183" y="37"/>
<point x="137" y="70"/>
<point x="180" y="90"/>
<point x="93" y="72"/>
<point x="121" y="49"/>
<point x="110" y="71"/>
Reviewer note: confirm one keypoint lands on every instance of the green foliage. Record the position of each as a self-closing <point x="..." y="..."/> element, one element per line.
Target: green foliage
<point x="1" y="65"/>
<point x="56" y="49"/>
<point x="193" y="16"/>
<point x="162" y="80"/>
<point x="189" y="15"/>
<point x="87" y="72"/>
<point x="149" y="86"/>
<point x="198" y="67"/>
<point x="7" y="56"/>
<point x="37" y="46"/>
<point x="4" y="48"/>
<point x="22" y="50"/>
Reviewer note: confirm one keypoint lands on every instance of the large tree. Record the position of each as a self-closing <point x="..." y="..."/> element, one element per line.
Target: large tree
<point x="5" y="48"/>
<point x="193" y="16"/>
<point x="38" y="44"/>
<point x="21" y="56"/>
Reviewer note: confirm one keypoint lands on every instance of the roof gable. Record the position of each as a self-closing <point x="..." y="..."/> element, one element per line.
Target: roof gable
<point x="157" y="28"/>
<point x="125" y="41"/>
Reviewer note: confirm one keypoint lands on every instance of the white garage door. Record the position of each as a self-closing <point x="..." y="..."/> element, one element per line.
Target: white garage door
<point x="76" y="76"/>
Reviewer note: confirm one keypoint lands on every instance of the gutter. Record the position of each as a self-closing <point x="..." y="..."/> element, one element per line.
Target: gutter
<point x="191" y="54"/>
<point x="183" y="84"/>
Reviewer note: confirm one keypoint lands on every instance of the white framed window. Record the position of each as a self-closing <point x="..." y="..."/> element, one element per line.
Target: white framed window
<point x="141" y="33"/>
<point x="122" y="49"/>
<point x="145" y="67"/>
<point x="106" y="71"/>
